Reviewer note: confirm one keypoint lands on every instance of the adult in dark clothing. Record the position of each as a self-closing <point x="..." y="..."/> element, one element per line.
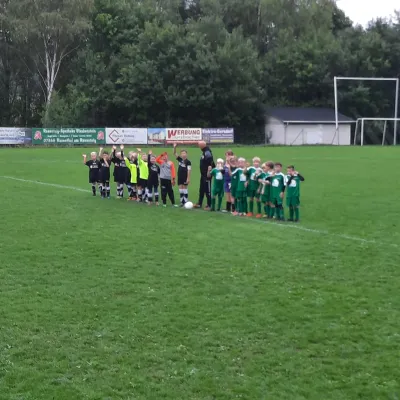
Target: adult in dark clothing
<point x="206" y="161"/>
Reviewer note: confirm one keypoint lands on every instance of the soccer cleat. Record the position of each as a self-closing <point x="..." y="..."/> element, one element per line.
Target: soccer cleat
<point x="235" y="213"/>
<point x="94" y="194"/>
<point x="224" y="211"/>
<point x="207" y="208"/>
<point x="164" y="205"/>
<point x="175" y="205"/>
<point x="259" y="216"/>
<point x="249" y="214"/>
<point x="290" y="220"/>
<point x="157" y="203"/>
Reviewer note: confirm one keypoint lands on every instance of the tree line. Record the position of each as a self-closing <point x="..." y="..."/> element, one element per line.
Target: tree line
<point x="204" y="63"/>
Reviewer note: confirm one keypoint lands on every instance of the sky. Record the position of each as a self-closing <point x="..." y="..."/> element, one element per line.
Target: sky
<point x="362" y="11"/>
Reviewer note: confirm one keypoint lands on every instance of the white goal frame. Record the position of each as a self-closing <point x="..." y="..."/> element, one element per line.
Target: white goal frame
<point x="360" y="78"/>
<point x="361" y="121"/>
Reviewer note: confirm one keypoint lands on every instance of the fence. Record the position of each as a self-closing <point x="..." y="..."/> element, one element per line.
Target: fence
<point x="113" y="136"/>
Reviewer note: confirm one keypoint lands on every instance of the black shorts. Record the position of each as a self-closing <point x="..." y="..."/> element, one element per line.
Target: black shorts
<point x="182" y="180"/>
<point x="93" y="178"/>
<point x="128" y="177"/>
<point x="119" y="175"/>
<point x="142" y="183"/>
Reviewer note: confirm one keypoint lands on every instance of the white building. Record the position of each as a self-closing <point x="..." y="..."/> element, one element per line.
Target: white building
<point x="306" y="126"/>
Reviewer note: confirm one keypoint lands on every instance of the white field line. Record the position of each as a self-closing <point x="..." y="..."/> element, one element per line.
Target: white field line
<point x="285" y="226"/>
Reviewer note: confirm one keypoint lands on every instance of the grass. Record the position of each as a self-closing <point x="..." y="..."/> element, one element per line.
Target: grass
<point x="114" y="300"/>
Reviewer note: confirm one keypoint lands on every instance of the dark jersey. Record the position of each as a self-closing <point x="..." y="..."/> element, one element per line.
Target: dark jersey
<point x="104" y="170"/>
<point x="154" y="173"/>
<point x="94" y="168"/>
<point x="206" y="161"/>
<point x="184" y="166"/>
<point x="117" y="162"/>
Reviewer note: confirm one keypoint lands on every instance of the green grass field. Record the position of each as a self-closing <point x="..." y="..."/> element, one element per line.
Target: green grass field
<point x="106" y="300"/>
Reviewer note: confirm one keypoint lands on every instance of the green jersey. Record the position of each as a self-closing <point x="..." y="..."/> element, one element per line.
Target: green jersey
<point x="277" y="185"/>
<point x="293" y="185"/>
<point x="252" y="176"/>
<point x="234" y="179"/>
<point x="241" y="179"/>
<point x="265" y="189"/>
<point x="218" y="178"/>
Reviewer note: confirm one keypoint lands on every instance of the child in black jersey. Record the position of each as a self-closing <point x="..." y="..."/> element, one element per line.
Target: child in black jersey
<point x="105" y="173"/>
<point x="119" y="170"/>
<point x="184" y="171"/>
<point x="94" y="168"/>
<point x="153" y="180"/>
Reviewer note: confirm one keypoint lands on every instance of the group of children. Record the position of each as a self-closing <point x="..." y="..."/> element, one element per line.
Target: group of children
<point x="141" y="173"/>
<point x="245" y="186"/>
<point x="261" y="185"/>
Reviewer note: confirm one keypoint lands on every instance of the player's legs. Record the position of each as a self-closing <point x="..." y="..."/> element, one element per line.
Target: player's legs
<point x="279" y="213"/>
<point x="185" y="194"/>
<point x="150" y="194"/>
<point x="251" y="205"/>
<point x="156" y="195"/>
<point x="220" y="197"/>
<point x="170" y="191"/>
<point x="164" y="191"/>
<point x="201" y="193"/>
<point x="181" y="194"/>
<point x="93" y="185"/>
<point x="207" y="188"/>
<point x="213" y="199"/>
<point x="258" y="202"/>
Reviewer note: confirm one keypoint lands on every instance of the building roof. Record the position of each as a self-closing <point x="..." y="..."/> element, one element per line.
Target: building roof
<point x="303" y="115"/>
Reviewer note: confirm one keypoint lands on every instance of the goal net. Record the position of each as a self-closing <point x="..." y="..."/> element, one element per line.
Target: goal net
<point x="376" y="131"/>
<point x="371" y="130"/>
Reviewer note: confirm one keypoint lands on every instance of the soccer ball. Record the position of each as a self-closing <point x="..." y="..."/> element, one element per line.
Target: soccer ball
<point x="189" y="205"/>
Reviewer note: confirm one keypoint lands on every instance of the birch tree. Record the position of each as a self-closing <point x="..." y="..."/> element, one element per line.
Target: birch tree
<point x="53" y="30"/>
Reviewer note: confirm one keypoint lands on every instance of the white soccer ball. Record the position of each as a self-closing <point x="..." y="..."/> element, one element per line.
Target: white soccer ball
<point x="189" y="205"/>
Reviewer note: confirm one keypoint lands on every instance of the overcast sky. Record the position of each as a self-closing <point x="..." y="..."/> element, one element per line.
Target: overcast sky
<point x="362" y="11"/>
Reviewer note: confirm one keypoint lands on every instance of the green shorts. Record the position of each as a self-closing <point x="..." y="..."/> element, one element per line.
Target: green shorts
<point x="265" y="198"/>
<point x="258" y="195"/>
<point x="242" y="194"/>
<point x="217" y="192"/>
<point x="293" y="201"/>
<point x="276" y="201"/>
<point x="233" y="192"/>
<point x="251" y="193"/>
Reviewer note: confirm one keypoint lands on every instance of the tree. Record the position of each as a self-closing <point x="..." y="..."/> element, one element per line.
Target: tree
<point x="53" y="30"/>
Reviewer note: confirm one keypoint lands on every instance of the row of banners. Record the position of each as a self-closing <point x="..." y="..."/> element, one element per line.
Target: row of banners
<point x="84" y="136"/>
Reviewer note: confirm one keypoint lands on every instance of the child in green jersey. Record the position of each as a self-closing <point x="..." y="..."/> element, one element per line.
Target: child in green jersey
<point x="278" y="186"/>
<point x="252" y="183"/>
<point x="234" y="184"/>
<point x="265" y="189"/>
<point x="293" y="193"/>
<point x="218" y="183"/>
<point x="239" y="174"/>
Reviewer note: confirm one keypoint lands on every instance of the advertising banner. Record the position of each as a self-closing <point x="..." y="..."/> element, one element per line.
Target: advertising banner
<point x="126" y="135"/>
<point x="183" y="135"/>
<point x="71" y="136"/>
<point x="156" y="135"/>
<point x="218" y="135"/>
<point x="15" y="136"/>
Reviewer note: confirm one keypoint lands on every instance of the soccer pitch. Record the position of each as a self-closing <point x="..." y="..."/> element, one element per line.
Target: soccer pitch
<point x="107" y="299"/>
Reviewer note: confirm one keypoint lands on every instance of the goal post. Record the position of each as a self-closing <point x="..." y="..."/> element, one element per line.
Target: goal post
<point x="360" y="123"/>
<point x="396" y="103"/>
